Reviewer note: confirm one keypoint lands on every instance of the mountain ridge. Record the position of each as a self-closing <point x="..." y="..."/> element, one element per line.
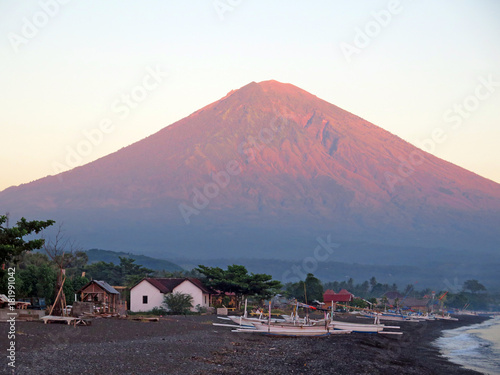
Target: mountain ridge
<point x="306" y="168"/>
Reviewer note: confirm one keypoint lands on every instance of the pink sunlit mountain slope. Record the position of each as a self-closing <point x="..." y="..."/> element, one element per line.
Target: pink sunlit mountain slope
<point x="290" y="167"/>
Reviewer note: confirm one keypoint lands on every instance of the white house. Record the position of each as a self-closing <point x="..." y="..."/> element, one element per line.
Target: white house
<point x="149" y="292"/>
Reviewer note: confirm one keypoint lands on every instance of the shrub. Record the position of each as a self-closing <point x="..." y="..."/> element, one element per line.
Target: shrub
<point x="201" y="309"/>
<point x="158" y="311"/>
<point x="178" y="303"/>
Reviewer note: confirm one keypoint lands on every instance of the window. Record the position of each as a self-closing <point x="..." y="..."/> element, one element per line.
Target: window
<point x="144" y="299"/>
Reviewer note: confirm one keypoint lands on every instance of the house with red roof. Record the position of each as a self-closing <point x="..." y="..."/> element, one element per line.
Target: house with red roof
<point x="343" y="296"/>
<point x="149" y="292"/>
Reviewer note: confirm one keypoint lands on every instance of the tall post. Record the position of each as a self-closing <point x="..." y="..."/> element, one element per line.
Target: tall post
<point x="269" y="322"/>
<point x="432" y="303"/>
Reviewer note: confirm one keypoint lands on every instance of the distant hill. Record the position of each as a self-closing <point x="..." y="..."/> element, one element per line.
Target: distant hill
<point x="97" y="255"/>
<point x="435" y="275"/>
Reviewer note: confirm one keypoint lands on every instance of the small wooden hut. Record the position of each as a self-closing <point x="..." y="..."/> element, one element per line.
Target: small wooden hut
<point x="105" y="298"/>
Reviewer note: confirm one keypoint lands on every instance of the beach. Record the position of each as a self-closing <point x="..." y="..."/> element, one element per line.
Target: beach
<point x="192" y="345"/>
<point x="476" y="346"/>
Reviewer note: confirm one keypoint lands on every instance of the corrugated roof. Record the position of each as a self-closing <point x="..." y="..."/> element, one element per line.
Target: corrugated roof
<point x="108" y="288"/>
<point x="342" y="296"/>
<point x="102" y="284"/>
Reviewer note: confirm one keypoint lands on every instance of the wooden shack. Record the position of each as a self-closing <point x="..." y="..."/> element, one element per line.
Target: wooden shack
<point x="105" y="298"/>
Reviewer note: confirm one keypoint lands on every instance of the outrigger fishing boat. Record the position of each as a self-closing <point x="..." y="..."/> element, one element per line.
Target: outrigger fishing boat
<point x="293" y="325"/>
<point x="394" y="317"/>
<point x="445" y="317"/>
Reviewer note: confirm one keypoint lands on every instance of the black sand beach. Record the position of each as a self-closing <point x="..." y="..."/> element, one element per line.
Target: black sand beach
<point x="191" y="345"/>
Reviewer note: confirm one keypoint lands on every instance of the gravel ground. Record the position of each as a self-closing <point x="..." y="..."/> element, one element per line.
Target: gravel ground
<point x="191" y="345"/>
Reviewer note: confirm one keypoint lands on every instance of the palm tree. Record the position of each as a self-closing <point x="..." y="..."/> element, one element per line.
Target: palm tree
<point x="385" y="301"/>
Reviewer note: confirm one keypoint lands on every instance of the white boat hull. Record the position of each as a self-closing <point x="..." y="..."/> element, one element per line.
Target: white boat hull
<point x="285" y="331"/>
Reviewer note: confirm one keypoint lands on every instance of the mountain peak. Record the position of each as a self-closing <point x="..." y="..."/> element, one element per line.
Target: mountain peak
<point x="269" y="89"/>
<point x="268" y="158"/>
<point x="278" y="86"/>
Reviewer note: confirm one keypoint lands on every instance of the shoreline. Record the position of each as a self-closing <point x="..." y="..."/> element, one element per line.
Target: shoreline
<point x="412" y="353"/>
<point x="464" y="321"/>
<point x="191" y="345"/>
<point x="475" y="347"/>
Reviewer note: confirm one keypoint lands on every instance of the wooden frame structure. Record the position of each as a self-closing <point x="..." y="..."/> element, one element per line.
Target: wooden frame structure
<point x="105" y="298"/>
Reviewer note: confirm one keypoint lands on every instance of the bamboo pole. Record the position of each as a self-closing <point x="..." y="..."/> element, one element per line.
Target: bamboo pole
<point x="63" y="304"/>
<point x="58" y="294"/>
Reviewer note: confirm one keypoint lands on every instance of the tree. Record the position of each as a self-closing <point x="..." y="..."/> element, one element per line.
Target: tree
<point x="37" y="281"/>
<point x="296" y="290"/>
<point x="237" y="280"/>
<point x="75" y="263"/>
<point x="363" y="289"/>
<point x="178" y="303"/>
<point x="474" y="286"/>
<point x="359" y="303"/>
<point x="396" y="302"/>
<point x="79" y="282"/>
<point x="132" y="273"/>
<point x="308" y="290"/>
<point x="379" y="289"/>
<point x="385" y="301"/>
<point x="408" y="289"/>
<point x="12" y="243"/>
<point x="108" y="272"/>
<point x="262" y="286"/>
<point x="314" y="288"/>
<point x="60" y="250"/>
<point x="126" y="273"/>
<point x="373" y="302"/>
<point x="350" y="284"/>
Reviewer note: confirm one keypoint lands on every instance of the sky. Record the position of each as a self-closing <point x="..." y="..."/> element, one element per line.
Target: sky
<point x="82" y="79"/>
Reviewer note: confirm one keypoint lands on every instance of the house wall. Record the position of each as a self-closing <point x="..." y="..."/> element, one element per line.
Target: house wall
<point x="199" y="298"/>
<point x="155" y="297"/>
<point x="144" y="288"/>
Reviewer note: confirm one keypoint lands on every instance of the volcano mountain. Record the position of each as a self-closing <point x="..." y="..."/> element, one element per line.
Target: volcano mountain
<point x="262" y="173"/>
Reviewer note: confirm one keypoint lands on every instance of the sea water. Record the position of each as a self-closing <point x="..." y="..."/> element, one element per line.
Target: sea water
<point x="476" y="347"/>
